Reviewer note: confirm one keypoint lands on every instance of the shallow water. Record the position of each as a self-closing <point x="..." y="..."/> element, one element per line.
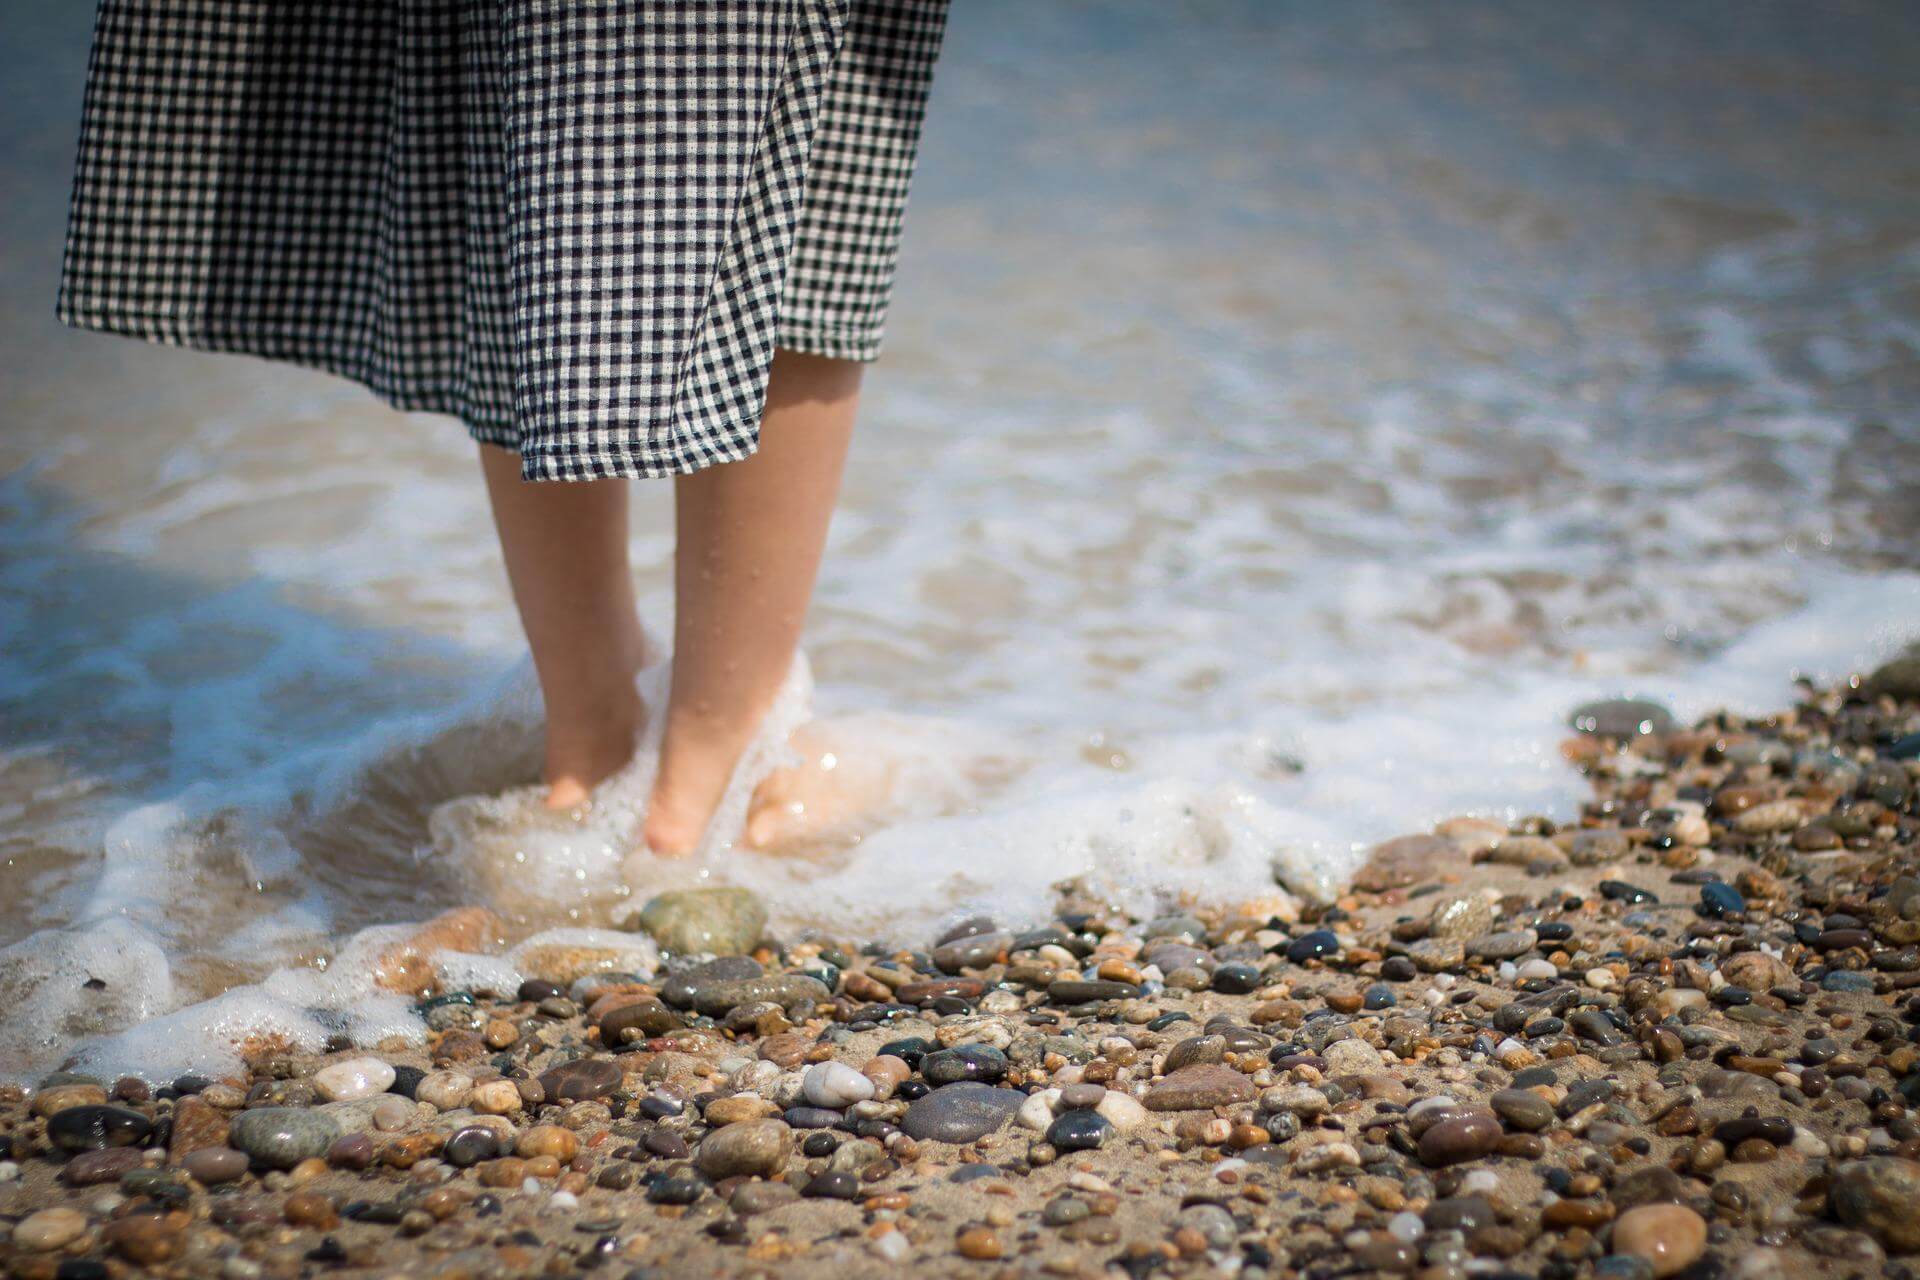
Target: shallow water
<point x="1290" y="413"/>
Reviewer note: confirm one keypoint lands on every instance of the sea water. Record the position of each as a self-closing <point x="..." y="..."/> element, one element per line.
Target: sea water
<point x="1290" y="413"/>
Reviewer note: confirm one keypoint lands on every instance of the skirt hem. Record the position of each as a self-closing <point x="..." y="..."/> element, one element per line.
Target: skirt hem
<point x="298" y="347"/>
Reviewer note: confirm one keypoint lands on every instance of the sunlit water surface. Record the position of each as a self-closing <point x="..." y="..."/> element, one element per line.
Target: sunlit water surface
<point x="1290" y="412"/>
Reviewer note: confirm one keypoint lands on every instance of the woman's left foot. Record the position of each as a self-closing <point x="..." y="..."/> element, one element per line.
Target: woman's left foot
<point x="823" y="795"/>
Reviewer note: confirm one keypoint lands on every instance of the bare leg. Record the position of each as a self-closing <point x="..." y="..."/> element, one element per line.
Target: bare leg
<point x="750" y="534"/>
<point x="566" y="552"/>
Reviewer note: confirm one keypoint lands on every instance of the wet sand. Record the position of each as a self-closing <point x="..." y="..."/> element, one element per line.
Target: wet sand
<point x="1673" y="1033"/>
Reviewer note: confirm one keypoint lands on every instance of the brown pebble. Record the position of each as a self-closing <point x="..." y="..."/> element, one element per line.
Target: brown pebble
<point x="148" y="1239"/>
<point x="306" y="1171"/>
<point x="1190" y="1242"/>
<point x="196" y="1124"/>
<point x="1670" y="1237"/>
<point x="310" y="1209"/>
<point x="508" y="1171"/>
<point x="353" y="1151"/>
<point x="1467" y="1136"/>
<point x="443" y="1202"/>
<point x="212" y="1166"/>
<point x="90" y="1168"/>
<point x="1589" y="1214"/>
<point x="980" y="1244"/>
<point x="548" y="1140"/>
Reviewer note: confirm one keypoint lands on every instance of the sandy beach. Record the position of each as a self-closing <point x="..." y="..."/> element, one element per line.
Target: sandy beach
<point x="1673" y="1033"/>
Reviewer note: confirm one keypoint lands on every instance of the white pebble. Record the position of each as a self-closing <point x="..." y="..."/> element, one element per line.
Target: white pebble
<point x="447" y="1090"/>
<point x="353" y="1078"/>
<point x="1036" y="1112"/>
<point x="893" y="1246"/>
<point x="1406" y="1226"/>
<point x="392" y="1113"/>
<point x="1121" y="1111"/>
<point x="1809" y="1143"/>
<point x="835" y="1085"/>
<point x="564" y="1200"/>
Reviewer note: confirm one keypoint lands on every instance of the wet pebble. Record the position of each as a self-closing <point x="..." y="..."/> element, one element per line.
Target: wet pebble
<point x="1668" y="1237"/>
<point x="352" y="1079"/>
<point x="1079" y="1131"/>
<point x="96" y="1127"/>
<point x="962" y="1112"/>
<point x="281" y="1137"/>
<point x="214" y="1166"/>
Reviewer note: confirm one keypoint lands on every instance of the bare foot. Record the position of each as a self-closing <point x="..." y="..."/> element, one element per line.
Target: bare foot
<point x="695" y="766"/>
<point x="585" y="759"/>
<point x="590" y="742"/>
<point x="824" y="796"/>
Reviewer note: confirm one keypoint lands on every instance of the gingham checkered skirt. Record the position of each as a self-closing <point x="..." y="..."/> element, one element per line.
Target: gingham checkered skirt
<point x="581" y="226"/>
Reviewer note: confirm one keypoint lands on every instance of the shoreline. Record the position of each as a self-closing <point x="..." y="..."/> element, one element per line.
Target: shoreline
<point x="1675" y="1034"/>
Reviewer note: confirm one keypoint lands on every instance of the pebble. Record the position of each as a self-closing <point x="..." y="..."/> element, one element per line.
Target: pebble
<point x="786" y="989"/>
<point x="1881" y="1196"/>
<point x="352" y="1079"/>
<point x="1461" y="916"/>
<point x="1200" y="1087"/>
<point x="581" y="1080"/>
<point x="832" y="1184"/>
<point x="391" y="1113"/>
<point x="214" y="1166"/>
<point x="147" y="1239"/>
<point x="547" y="1140"/>
<point x="979" y="1243"/>
<point x="496" y="1098"/>
<point x="49" y="1229"/>
<point x="1466" y="1136"/>
<point x="1504" y="945"/>
<point x="447" y="1090"/>
<point x="109" y="1164"/>
<point x="754" y="1148"/>
<point x="470" y="1146"/>
<point x="963" y="1112"/>
<point x="94" y="1127"/>
<point x="1668" y="1237"/>
<point x="970" y="1062"/>
<point x="719" y="921"/>
<point x="1079" y="1131"/>
<point x="281" y="1137"/>
<point x="836" y="1085"/>
<point x="1522" y="1109"/>
<point x="1351" y="1057"/>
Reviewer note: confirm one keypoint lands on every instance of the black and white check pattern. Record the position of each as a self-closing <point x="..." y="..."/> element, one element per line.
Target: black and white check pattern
<point x="579" y="227"/>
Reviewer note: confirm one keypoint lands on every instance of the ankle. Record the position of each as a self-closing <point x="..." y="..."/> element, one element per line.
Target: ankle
<point x="586" y="743"/>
